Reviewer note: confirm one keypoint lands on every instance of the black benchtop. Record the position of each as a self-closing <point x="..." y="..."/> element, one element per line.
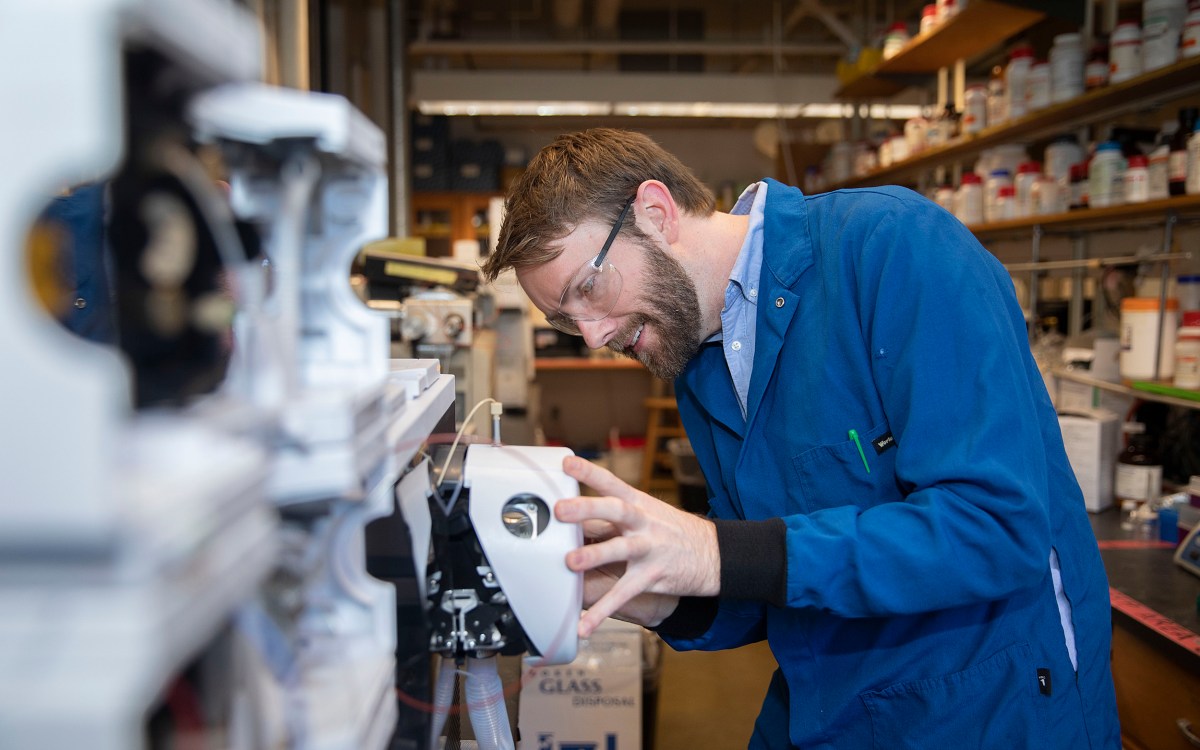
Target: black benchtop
<point x="1149" y="576"/>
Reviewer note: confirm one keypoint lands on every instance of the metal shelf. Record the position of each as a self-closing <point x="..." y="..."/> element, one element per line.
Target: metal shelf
<point x="1126" y="390"/>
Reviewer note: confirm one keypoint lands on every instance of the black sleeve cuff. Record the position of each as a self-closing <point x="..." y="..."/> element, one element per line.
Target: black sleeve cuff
<point x="753" y="559"/>
<point x="691" y="619"/>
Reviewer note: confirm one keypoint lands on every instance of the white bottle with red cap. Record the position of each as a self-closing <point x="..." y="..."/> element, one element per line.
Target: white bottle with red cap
<point x="1016" y="80"/>
<point x="1027" y="176"/>
<point x="929" y="19"/>
<point x="1137" y="179"/>
<point x="1189" y="45"/>
<point x="895" y="40"/>
<point x="968" y="202"/>
<point x="1125" y="52"/>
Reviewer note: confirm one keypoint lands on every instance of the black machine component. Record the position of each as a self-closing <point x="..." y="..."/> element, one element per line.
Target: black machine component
<point x="171" y="233"/>
<point x="469" y="615"/>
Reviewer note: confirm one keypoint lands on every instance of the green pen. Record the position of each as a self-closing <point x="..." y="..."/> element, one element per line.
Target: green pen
<point x="857" y="444"/>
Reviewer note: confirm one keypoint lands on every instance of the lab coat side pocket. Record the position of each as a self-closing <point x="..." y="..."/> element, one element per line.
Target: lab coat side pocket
<point x="993" y="704"/>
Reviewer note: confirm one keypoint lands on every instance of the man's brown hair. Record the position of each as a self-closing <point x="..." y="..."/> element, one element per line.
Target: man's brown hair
<point x="582" y="176"/>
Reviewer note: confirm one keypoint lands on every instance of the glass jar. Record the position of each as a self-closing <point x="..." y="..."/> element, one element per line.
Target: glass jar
<point x="1193" y="162"/>
<point x="1177" y="159"/>
<point x="1139" y="473"/>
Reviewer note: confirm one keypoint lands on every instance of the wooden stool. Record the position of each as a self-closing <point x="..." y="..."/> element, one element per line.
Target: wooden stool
<point x="662" y="424"/>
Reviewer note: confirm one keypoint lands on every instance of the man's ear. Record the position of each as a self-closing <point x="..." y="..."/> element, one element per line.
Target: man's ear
<point x="657" y="208"/>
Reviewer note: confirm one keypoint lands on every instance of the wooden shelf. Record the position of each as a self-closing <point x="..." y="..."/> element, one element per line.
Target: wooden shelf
<point x="1140" y="93"/>
<point x="1093" y="218"/>
<point x="979" y="27"/>
<point x="982" y="25"/>
<point x="870" y="86"/>
<point x="576" y="364"/>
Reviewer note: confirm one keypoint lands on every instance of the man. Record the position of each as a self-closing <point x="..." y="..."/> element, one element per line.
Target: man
<point x="892" y="507"/>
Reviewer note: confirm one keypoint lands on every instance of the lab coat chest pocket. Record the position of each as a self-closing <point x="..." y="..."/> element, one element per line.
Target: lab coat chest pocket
<point x="837" y="474"/>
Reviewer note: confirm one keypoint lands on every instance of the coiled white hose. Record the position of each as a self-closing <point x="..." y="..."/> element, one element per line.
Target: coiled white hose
<point x="443" y="696"/>
<point x="485" y="705"/>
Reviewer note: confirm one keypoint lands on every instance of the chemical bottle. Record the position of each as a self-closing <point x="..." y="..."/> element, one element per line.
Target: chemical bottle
<point x="997" y="104"/>
<point x="1162" y="24"/>
<point x="1139" y="473"/>
<point x="1095" y="73"/>
<point x="1177" y="162"/>
<point x="1125" y="52"/>
<point x="1137" y="180"/>
<point x="1016" y="78"/>
<point x="1187" y="358"/>
<point x="1193" y="163"/>
<point x="1106" y="176"/>
<point x="1157" y="170"/>
<point x="897" y="37"/>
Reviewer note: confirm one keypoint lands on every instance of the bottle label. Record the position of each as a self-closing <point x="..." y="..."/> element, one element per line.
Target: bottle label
<point x="1187" y="370"/>
<point x="1140" y="483"/>
<point x="1177" y="166"/>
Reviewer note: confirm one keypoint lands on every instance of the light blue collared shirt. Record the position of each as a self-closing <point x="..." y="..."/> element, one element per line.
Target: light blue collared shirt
<point x="741" y="296"/>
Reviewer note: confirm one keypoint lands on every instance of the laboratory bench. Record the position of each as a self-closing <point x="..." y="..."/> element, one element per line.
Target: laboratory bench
<point x="1156" y="639"/>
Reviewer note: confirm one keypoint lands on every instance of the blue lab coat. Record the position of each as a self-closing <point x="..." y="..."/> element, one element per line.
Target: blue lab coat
<point x="920" y="606"/>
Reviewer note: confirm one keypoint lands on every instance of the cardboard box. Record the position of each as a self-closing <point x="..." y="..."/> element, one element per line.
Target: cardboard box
<point x="593" y="703"/>
<point x="1092" y="440"/>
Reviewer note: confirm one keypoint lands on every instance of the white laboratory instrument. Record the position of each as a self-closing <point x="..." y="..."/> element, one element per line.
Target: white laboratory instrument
<point x="127" y="538"/>
<point x="184" y="541"/>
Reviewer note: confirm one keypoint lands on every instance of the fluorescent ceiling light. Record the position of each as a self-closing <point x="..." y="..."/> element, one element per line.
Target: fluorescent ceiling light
<point x="752" y="110"/>
<point x="523" y="108"/>
<point x="760" y="111"/>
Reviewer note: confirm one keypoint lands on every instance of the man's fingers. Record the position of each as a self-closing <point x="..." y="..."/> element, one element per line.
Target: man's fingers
<point x="600" y="479"/>
<point x="582" y="509"/>
<point x="592" y="556"/>
<point x="598" y="531"/>
<point x="622" y="592"/>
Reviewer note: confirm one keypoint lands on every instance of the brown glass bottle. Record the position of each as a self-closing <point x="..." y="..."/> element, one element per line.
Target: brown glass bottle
<point x="1177" y="161"/>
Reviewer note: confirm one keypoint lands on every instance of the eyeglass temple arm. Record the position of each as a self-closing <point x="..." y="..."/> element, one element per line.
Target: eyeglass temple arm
<point x="612" y="235"/>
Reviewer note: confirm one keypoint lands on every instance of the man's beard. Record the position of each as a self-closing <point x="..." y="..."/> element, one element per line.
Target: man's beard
<point x="673" y="310"/>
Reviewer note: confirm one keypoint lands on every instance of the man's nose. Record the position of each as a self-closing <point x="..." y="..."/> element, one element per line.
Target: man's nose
<point x="597" y="333"/>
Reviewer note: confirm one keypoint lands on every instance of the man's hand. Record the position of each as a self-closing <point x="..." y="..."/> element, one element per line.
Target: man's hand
<point x="663" y="550"/>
